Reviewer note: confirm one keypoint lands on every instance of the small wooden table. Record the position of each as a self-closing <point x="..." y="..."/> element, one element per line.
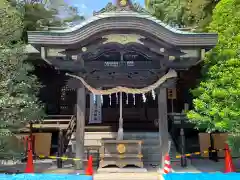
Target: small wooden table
<point x="121" y="153"/>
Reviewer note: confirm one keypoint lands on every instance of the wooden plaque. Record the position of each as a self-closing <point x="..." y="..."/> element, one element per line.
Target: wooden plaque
<point x="172" y="93"/>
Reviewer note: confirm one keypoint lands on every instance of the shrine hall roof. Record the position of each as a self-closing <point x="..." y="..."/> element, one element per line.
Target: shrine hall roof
<point x="121" y="14"/>
<point x="118" y="20"/>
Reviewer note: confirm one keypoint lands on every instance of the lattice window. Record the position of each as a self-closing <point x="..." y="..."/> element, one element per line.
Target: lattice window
<point x="67" y="100"/>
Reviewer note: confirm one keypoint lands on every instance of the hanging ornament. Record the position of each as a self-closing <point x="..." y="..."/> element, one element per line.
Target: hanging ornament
<point x="102" y="99"/>
<point x="127" y="99"/>
<point x="144" y="97"/>
<point x="94" y="99"/>
<point x="110" y="99"/>
<point x="134" y="100"/>
<point x="116" y="98"/>
<point x="153" y="95"/>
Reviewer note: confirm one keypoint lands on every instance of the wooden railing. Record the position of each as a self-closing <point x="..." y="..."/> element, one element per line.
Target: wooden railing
<point x="71" y="128"/>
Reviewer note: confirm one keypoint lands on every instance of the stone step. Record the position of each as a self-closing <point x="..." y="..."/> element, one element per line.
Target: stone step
<point x="141" y="135"/>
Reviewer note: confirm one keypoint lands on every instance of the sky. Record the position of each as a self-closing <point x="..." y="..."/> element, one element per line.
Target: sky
<point x="86" y="7"/>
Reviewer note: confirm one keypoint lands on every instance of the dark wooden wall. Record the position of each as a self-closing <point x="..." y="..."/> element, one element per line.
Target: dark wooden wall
<point x="61" y="100"/>
<point x="57" y="97"/>
<point x="187" y="80"/>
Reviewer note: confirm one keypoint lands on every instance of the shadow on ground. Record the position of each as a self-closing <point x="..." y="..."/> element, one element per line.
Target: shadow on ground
<point x="205" y="165"/>
<point x="39" y="166"/>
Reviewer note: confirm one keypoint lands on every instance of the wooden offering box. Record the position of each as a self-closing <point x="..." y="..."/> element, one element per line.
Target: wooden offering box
<point x="121" y="153"/>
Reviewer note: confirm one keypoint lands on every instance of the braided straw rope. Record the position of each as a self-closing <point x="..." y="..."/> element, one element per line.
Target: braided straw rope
<point x="171" y="74"/>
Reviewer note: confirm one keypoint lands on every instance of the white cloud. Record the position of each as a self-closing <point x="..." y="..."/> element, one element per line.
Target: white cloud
<point x="80" y="6"/>
<point x="83" y="6"/>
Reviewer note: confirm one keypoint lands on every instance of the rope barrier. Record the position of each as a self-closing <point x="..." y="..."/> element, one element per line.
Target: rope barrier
<point x="198" y="153"/>
<point x="64" y="158"/>
<point x="171" y="74"/>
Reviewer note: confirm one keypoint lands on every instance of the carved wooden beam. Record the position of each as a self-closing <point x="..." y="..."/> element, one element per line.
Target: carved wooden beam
<point x="68" y="65"/>
<point x="162" y="49"/>
<point x="123" y="66"/>
<point x="183" y="63"/>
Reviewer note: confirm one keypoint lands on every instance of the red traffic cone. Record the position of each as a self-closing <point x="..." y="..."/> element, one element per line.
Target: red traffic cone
<point x="229" y="167"/>
<point x="167" y="166"/>
<point x="89" y="169"/>
<point x="29" y="167"/>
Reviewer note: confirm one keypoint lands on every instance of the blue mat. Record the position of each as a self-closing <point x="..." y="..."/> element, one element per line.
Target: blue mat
<point x="202" y="176"/>
<point x="44" y="177"/>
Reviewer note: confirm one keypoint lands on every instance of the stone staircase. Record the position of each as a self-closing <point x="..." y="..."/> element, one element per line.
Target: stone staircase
<point x="151" y="148"/>
<point x="150" y="145"/>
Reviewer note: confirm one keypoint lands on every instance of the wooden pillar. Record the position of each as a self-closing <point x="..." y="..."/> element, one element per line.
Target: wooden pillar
<point x="60" y="148"/>
<point x="163" y="123"/>
<point x="80" y="130"/>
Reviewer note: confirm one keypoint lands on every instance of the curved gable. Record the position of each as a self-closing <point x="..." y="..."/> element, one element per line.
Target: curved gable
<point x="125" y="20"/>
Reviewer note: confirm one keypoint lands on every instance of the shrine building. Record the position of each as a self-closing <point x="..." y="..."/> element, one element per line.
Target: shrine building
<point x="114" y="83"/>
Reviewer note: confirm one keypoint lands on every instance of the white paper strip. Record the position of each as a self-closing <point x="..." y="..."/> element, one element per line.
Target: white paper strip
<point x="110" y="99"/>
<point x="144" y="98"/>
<point x="153" y="95"/>
<point x="101" y="98"/>
<point x="134" y="99"/>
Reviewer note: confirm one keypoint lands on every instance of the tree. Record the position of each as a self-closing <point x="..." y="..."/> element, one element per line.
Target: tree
<point x="183" y="13"/>
<point x="38" y="14"/>
<point x="19" y="104"/>
<point x="169" y="11"/>
<point x="199" y="13"/>
<point x="66" y="13"/>
<point x="217" y="99"/>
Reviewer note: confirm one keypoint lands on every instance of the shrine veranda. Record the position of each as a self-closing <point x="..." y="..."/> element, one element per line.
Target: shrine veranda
<point x="120" y="71"/>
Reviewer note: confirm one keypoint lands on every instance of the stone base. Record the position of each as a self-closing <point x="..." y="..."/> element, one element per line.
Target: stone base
<point x="121" y="163"/>
<point x="122" y="170"/>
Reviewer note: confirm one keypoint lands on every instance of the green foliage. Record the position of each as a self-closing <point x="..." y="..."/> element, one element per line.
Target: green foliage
<point x="217" y="103"/>
<point x="199" y="13"/>
<point x="169" y="11"/>
<point x="183" y="13"/>
<point x="38" y="14"/>
<point x="18" y="88"/>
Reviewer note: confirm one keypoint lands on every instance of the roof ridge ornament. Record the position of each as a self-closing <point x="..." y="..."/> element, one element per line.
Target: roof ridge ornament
<point x="124" y="5"/>
<point x="121" y="5"/>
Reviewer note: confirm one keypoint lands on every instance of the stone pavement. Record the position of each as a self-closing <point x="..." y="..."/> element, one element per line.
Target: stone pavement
<point x="203" y="165"/>
<point x="197" y="166"/>
<point x="39" y="166"/>
<point x="128" y="176"/>
<point x="112" y="176"/>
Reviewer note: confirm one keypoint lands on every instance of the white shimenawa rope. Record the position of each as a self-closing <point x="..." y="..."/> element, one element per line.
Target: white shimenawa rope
<point x="171" y="74"/>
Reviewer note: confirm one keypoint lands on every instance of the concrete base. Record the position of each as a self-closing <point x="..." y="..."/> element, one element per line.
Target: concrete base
<point x="122" y="170"/>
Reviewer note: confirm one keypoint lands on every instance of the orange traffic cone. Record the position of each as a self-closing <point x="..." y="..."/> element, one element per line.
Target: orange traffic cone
<point x="167" y="166"/>
<point x="89" y="169"/>
<point x="29" y="166"/>
<point x="229" y="167"/>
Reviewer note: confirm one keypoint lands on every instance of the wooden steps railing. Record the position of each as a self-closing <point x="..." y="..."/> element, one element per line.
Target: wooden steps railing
<point x="67" y="137"/>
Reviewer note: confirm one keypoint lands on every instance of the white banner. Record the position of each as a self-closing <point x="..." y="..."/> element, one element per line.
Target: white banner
<point x="95" y="111"/>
